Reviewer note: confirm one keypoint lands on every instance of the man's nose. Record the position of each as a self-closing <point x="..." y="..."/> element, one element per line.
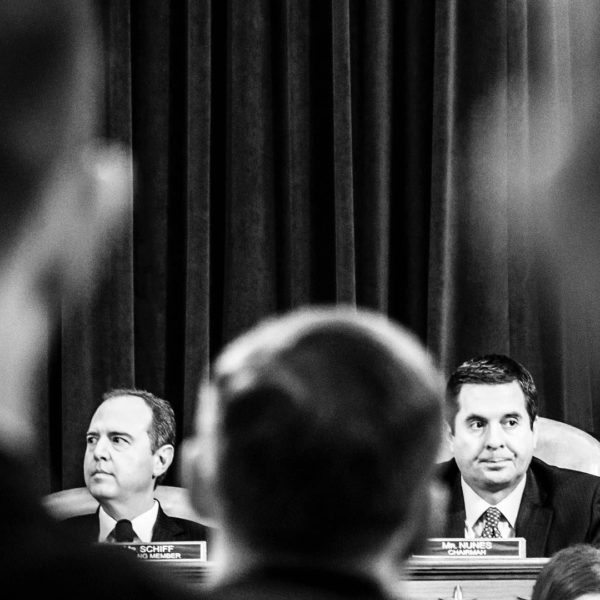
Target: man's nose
<point x="494" y="436"/>
<point x="101" y="448"/>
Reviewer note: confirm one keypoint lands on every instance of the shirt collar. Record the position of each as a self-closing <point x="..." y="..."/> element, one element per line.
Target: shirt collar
<point x="475" y="505"/>
<point x="142" y="524"/>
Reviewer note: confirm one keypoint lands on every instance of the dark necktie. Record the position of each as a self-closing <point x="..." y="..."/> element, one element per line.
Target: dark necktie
<point x="490" y="524"/>
<point x="123" y="531"/>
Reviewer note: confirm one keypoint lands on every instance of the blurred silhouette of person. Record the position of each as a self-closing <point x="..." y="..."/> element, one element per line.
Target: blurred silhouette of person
<point x="571" y="574"/>
<point x="315" y="443"/>
<point x="130" y="444"/>
<point x="497" y="487"/>
<point x="62" y="193"/>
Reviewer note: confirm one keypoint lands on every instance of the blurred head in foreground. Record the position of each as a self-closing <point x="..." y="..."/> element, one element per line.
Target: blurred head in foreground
<point x="571" y="574"/>
<point x="61" y="192"/>
<point x="316" y="438"/>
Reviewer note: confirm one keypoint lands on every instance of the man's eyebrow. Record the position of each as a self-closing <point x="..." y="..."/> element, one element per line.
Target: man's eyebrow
<point x="513" y="415"/>
<point x="120" y="433"/>
<point x="111" y="433"/>
<point x="475" y="417"/>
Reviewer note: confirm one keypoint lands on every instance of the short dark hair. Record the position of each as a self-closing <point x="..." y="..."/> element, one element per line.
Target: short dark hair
<point x="570" y="573"/>
<point x="328" y="425"/>
<point x="49" y="63"/>
<point x="490" y="369"/>
<point x="162" y="427"/>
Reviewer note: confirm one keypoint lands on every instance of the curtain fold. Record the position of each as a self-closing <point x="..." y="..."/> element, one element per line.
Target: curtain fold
<point x="343" y="172"/>
<point x="198" y="180"/>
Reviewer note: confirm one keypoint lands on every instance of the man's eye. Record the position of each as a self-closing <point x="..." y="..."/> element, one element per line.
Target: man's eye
<point x="476" y="424"/>
<point x="90" y="439"/>
<point x="117" y="439"/>
<point x="512" y="422"/>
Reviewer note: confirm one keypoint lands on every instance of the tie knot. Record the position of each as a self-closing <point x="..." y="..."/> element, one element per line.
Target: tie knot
<point x="492" y="514"/>
<point x="123" y="531"/>
<point x="490" y="524"/>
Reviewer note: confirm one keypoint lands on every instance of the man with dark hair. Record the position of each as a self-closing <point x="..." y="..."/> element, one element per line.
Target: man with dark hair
<point x="130" y="445"/>
<point x="62" y="195"/>
<point x="497" y="487"/>
<point x="314" y="449"/>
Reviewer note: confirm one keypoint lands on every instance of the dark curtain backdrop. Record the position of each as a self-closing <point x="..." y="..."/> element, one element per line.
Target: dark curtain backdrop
<point x="380" y="153"/>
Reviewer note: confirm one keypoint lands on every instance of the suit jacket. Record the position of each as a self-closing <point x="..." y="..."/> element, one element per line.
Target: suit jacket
<point x="277" y="583"/>
<point x="166" y="528"/>
<point x="560" y="507"/>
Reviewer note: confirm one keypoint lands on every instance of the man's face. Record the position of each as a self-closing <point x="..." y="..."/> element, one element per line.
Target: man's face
<point x="493" y="441"/>
<point x="119" y="463"/>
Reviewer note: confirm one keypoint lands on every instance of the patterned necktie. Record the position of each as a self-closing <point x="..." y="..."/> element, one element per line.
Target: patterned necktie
<point x="123" y="531"/>
<point x="490" y="524"/>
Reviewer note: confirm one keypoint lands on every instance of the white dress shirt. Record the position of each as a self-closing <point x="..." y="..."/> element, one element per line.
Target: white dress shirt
<point x="142" y="524"/>
<point x="475" y="506"/>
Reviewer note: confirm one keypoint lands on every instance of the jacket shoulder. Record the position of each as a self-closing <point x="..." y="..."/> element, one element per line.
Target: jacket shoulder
<point x="172" y="528"/>
<point x="539" y="467"/>
<point x="79" y="519"/>
<point x="551" y="477"/>
<point x="198" y="530"/>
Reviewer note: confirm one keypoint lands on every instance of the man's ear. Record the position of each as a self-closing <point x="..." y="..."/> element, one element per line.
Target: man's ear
<point x="534" y="429"/>
<point x="163" y="458"/>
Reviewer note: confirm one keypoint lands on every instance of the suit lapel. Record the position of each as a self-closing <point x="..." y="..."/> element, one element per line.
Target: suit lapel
<point x="165" y="528"/>
<point x="534" y="519"/>
<point x="455" y="524"/>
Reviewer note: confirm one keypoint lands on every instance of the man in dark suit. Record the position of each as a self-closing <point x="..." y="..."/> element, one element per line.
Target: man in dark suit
<point x="130" y="445"/>
<point x="497" y="488"/>
<point x="314" y="450"/>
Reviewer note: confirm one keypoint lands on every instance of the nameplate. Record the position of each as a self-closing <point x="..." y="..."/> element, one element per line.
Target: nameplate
<point x="171" y="551"/>
<point x="475" y="548"/>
